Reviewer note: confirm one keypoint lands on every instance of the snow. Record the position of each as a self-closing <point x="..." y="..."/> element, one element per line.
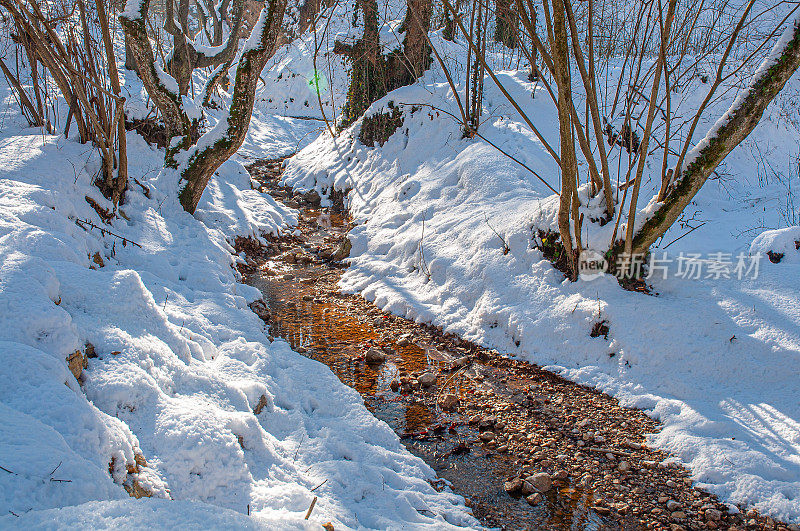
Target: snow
<point x="714" y="359"/>
<point x="784" y="241"/>
<point x="181" y="363"/>
<point x="133" y="514"/>
<point x="133" y="9"/>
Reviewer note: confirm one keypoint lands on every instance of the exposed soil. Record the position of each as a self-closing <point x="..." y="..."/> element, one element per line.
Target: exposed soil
<point x="496" y="430"/>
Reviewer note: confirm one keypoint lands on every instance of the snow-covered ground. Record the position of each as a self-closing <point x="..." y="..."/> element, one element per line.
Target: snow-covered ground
<point x="182" y="362"/>
<point x="717" y="360"/>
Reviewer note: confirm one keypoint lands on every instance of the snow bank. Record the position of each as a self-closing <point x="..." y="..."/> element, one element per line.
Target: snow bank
<point x="182" y="366"/>
<point x="716" y="360"/>
<point x="784" y="242"/>
<point x="156" y="514"/>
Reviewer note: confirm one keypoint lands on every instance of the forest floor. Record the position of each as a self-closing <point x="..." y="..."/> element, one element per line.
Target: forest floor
<point x="525" y="447"/>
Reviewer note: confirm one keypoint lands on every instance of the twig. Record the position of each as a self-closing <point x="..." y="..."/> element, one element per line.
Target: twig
<point x="297" y="451"/>
<point x="311" y="507"/>
<point x="681" y="236"/>
<point x="7" y="470"/>
<point x="103" y="231"/>
<point x="498" y="148"/>
<point x="423" y="264"/>
<point x="506" y="248"/>
<point x="609" y="451"/>
<point x="321" y="484"/>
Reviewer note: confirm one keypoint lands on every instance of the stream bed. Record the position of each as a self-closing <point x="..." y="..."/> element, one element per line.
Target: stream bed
<point x="298" y="275"/>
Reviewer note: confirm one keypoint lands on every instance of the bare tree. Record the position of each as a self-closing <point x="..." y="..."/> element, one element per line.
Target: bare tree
<point x="66" y="48"/>
<point x="202" y="156"/>
<point x="374" y="74"/>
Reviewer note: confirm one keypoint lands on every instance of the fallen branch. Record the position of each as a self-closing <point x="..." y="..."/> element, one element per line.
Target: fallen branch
<point x="311" y="508"/>
<point x="619" y="453"/>
<point x="125" y="241"/>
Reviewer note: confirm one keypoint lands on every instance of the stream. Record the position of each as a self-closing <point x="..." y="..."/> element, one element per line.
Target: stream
<point x="298" y="280"/>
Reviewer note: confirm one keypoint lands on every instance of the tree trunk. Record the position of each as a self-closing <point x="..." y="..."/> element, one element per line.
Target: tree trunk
<point x="306" y="15"/>
<point x="729" y="132"/>
<point x="449" y="30"/>
<point x="367" y="78"/>
<point x="505" y="29"/>
<point x="534" y="74"/>
<point x="374" y="75"/>
<point x="165" y="98"/>
<point x="416" y="50"/>
<point x="130" y="60"/>
<point x="231" y="132"/>
<point x="569" y="165"/>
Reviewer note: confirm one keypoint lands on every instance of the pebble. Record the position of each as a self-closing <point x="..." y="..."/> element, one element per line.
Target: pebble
<point x="448" y="401"/>
<point x="672" y="505"/>
<point x="528" y="488"/>
<point x="541" y="481"/>
<point x="404" y="340"/>
<point x="534" y="499"/>
<point x="374" y="355"/>
<point x="623" y="466"/>
<point x="713" y="515"/>
<point x="513" y="485"/>
<point x="427" y="379"/>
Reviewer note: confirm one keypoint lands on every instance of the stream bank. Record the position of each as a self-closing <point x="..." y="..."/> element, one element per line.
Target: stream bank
<point x="526" y="448"/>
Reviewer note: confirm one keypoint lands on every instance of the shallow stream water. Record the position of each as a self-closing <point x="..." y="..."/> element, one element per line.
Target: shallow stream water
<point x="307" y="311"/>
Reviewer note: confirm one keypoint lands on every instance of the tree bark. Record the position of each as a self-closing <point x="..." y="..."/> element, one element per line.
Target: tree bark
<point x="204" y="161"/>
<point x="731" y="130"/>
<point x="130" y="60"/>
<point x="367" y="77"/>
<point x="506" y="27"/>
<point x="167" y="100"/>
<point x="374" y="75"/>
<point x="569" y="165"/>
<point x="416" y="50"/>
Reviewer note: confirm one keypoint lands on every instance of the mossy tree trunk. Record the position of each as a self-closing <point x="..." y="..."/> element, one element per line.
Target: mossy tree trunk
<point x="416" y="50"/>
<point x="732" y="129"/>
<point x="367" y="77"/>
<point x="373" y="74"/>
<point x="216" y="146"/>
<point x="506" y="24"/>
